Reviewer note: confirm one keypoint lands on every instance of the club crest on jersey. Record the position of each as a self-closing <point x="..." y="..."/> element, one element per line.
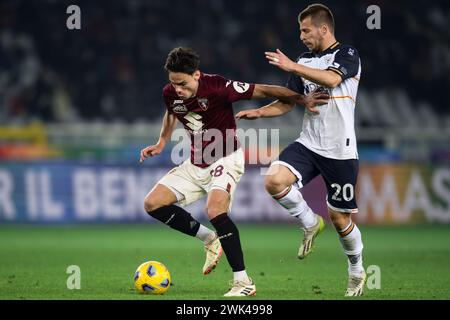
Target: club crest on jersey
<point x="179" y="108"/>
<point x="203" y="103"/>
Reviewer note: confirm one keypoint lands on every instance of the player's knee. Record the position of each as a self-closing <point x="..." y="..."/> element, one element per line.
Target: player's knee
<point x="275" y="184"/>
<point x="216" y="208"/>
<point x="340" y="219"/>
<point x="215" y="211"/>
<point x="151" y="204"/>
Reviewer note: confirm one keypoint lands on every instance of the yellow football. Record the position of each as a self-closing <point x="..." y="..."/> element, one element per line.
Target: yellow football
<point x="152" y="277"/>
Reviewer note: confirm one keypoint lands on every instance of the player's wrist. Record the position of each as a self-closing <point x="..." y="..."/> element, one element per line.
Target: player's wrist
<point x="291" y="66"/>
<point x="259" y="112"/>
<point x="161" y="143"/>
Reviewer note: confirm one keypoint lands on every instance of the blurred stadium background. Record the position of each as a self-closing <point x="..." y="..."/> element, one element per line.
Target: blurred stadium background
<point x="76" y="107"/>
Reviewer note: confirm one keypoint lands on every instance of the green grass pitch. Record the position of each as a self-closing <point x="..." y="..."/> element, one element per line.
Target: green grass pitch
<point x="414" y="262"/>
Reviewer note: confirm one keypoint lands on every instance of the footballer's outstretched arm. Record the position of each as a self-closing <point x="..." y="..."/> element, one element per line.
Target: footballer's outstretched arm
<point x="287" y="96"/>
<point x="326" y="78"/>
<point x="274" y="109"/>
<point x="168" y="125"/>
<point x="269" y="91"/>
<point x="279" y="107"/>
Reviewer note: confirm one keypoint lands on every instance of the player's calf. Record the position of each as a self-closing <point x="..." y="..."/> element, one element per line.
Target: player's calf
<point x="177" y="218"/>
<point x="231" y="244"/>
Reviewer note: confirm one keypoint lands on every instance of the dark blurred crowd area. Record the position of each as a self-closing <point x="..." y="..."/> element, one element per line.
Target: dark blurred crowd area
<point x="112" y="69"/>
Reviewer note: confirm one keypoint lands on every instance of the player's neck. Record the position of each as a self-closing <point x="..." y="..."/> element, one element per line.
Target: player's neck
<point x="327" y="43"/>
<point x="194" y="94"/>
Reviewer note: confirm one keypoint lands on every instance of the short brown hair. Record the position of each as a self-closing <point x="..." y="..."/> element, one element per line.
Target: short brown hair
<point x="319" y="14"/>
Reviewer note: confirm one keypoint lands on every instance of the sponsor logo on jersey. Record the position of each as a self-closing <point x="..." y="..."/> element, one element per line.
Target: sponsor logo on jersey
<point x="241" y="87"/>
<point x="179" y="108"/>
<point x="203" y="103"/>
<point x="313" y="87"/>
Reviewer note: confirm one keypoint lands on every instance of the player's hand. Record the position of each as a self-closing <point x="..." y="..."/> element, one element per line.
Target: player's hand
<point x="314" y="99"/>
<point x="280" y="60"/>
<point x="150" y="151"/>
<point x="251" y="114"/>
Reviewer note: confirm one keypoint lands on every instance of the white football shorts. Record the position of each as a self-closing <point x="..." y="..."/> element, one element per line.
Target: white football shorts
<point x="190" y="183"/>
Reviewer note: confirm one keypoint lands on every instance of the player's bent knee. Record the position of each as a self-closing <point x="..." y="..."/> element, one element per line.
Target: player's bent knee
<point x="151" y="205"/>
<point x="275" y="184"/>
<point x="215" y="211"/>
<point x="159" y="197"/>
<point x="218" y="202"/>
<point x="339" y="219"/>
<point x="215" y="208"/>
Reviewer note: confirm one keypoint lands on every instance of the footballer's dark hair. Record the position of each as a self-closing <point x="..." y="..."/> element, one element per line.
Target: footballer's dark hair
<point x="319" y="14"/>
<point x="184" y="60"/>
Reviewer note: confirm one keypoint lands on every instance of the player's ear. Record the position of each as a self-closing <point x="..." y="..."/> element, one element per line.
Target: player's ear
<point x="196" y="75"/>
<point x="323" y="30"/>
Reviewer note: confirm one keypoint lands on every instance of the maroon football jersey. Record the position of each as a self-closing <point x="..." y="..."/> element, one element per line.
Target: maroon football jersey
<point x="209" y="116"/>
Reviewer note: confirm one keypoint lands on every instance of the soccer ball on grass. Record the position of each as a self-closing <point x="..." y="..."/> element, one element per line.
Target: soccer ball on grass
<point x="152" y="277"/>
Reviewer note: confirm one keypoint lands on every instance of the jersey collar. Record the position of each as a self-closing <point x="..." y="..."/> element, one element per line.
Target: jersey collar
<point x="327" y="50"/>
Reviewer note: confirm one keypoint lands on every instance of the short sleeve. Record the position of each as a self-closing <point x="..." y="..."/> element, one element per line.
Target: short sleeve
<point x="346" y="63"/>
<point x="235" y="90"/>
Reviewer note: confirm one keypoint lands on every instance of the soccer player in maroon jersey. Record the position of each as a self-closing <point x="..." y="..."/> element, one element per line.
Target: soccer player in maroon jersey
<point x="203" y="104"/>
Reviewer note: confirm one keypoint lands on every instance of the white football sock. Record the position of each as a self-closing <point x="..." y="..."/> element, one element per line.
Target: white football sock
<point x="291" y="199"/>
<point x="205" y="234"/>
<point x="241" y="276"/>
<point x="351" y="242"/>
